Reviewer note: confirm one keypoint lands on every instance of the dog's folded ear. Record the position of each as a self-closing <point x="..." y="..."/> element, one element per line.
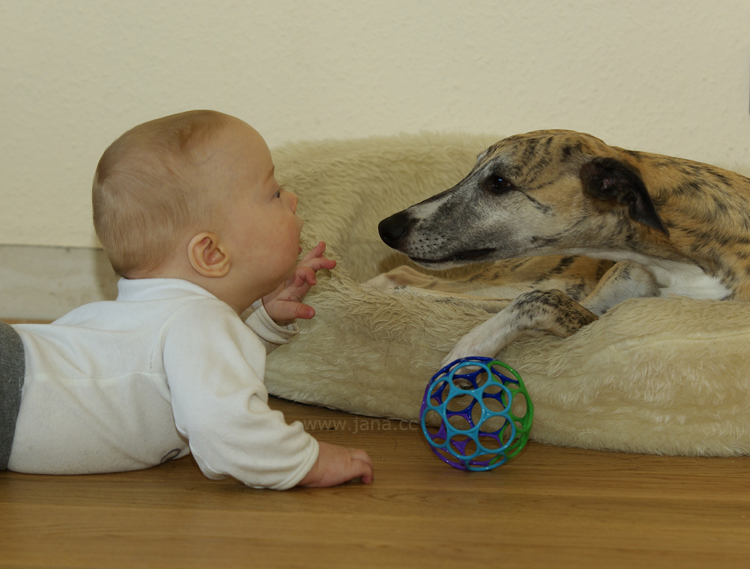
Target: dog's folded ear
<point x="609" y="179"/>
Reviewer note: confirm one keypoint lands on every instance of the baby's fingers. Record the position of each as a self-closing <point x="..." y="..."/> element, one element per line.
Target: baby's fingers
<point x="362" y="465"/>
<point x="316" y="251"/>
<point x="304" y="311"/>
<point x="304" y="274"/>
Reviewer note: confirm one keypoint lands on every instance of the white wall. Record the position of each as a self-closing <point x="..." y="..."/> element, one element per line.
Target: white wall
<point x="664" y="76"/>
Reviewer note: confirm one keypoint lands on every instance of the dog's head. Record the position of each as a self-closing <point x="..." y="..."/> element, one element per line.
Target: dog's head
<point x="545" y="192"/>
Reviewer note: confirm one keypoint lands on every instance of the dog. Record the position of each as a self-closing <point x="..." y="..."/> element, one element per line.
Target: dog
<point x="662" y="226"/>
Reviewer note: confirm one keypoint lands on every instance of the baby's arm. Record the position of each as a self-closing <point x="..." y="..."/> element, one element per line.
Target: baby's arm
<point x="285" y="303"/>
<point x="337" y="465"/>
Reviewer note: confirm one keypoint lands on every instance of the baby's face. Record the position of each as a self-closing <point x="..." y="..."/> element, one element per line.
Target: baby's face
<point x="262" y="228"/>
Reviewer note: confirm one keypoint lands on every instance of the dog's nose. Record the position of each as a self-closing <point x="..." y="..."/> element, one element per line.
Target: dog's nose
<point x="393" y="229"/>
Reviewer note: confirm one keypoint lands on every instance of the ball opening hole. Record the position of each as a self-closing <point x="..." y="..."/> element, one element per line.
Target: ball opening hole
<point x="460" y="422"/>
<point x="519" y="406"/>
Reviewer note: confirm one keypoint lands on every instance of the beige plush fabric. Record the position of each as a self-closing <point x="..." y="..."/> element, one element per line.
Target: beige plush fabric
<point x="668" y="376"/>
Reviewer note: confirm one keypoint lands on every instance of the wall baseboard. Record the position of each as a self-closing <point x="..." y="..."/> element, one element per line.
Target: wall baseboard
<point x="43" y="283"/>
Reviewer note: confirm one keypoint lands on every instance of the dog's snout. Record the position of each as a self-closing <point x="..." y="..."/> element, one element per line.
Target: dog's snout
<point x="393" y="229"/>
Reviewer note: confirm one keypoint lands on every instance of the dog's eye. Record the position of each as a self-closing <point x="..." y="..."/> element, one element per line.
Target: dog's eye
<point x="497" y="184"/>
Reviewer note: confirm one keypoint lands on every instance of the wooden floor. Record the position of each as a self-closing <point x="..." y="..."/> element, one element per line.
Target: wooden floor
<point x="549" y="507"/>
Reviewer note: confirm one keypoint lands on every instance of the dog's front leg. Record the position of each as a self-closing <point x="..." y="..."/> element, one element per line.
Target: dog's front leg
<point x="624" y="280"/>
<point x="531" y="313"/>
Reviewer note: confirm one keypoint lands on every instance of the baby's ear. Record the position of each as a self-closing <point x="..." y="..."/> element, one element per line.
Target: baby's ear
<point x="207" y="256"/>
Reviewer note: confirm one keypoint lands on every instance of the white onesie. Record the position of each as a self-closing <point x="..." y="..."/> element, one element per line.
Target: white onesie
<point x="164" y="370"/>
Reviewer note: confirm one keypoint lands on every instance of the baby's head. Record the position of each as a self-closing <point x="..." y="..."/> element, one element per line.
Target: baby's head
<point x="147" y="192"/>
<point x="193" y="195"/>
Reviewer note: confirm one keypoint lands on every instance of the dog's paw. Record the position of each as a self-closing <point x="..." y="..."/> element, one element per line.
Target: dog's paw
<point x="382" y="282"/>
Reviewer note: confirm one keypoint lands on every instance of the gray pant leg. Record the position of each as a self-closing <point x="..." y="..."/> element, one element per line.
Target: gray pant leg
<point x="12" y="369"/>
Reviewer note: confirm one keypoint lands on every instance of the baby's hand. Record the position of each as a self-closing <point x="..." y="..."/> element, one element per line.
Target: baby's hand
<point x="336" y="465"/>
<point x="285" y="303"/>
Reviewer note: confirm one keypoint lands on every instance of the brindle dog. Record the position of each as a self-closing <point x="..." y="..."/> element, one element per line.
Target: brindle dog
<point x="671" y="226"/>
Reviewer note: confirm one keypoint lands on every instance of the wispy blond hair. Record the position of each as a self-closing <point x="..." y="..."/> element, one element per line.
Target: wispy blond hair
<point x="146" y="194"/>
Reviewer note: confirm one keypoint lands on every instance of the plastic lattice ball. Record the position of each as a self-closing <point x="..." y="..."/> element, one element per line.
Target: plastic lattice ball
<point x="476" y="413"/>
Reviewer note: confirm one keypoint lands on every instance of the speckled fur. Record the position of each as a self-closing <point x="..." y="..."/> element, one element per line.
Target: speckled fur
<point x="672" y="226"/>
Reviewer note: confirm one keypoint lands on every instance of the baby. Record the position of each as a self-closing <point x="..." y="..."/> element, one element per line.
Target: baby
<point x="191" y="217"/>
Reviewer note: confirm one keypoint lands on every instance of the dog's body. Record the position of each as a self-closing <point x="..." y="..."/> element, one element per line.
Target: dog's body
<point x="671" y="226"/>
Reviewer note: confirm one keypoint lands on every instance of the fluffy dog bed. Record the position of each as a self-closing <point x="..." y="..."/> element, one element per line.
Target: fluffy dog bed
<point x="667" y="376"/>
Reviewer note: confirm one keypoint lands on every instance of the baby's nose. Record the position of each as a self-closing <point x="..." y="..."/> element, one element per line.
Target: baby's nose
<point x="293" y="199"/>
